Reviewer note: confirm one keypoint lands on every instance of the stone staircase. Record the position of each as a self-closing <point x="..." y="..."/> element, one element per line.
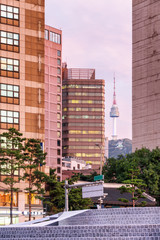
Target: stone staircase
<point x="103" y="224"/>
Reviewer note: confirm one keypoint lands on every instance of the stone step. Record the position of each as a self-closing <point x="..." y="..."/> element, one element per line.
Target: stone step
<point x="119" y="211"/>
<point x="82" y="232"/>
<point x="111" y="219"/>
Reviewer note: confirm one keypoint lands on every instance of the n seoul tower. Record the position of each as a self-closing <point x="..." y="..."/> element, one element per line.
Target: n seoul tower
<point x="114" y="113"/>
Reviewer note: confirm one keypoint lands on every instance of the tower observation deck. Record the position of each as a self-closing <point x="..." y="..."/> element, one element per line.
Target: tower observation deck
<point x="114" y="113"/>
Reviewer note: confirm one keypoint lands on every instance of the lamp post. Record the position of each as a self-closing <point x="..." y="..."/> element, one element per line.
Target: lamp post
<point x="100" y="147"/>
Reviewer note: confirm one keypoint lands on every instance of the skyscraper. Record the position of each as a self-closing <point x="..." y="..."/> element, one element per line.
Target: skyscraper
<point x="146" y="74"/>
<point x="83" y="115"/>
<point x="53" y="99"/>
<point x="21" y="81"/>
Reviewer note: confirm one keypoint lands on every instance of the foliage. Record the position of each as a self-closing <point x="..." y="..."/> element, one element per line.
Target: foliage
<point x="148" y="163"/>
<point x="134" y="186"/>
<point x="88" y="178"/>
<point x="55" y="199"/>
<point x="34" y="160"/>
<point x="11" y="161"/>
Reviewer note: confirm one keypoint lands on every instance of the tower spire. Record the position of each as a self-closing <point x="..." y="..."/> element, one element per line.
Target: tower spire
<point x="114" y="92"/>
<point x="114" y="113"/>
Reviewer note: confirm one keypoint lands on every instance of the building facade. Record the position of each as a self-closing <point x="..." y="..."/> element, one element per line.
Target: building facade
<point x="146" y="74"/>
<point x="53" y="99"/>
<point x="83" y="115"/>
<point x="21" y="85"/>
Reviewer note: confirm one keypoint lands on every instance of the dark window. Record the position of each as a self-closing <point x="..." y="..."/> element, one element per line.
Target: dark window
<point x="58" y="161"/>
<point x="58" y="170"/>
<point x="58" y="143"/>
<point x="58" y="152"/>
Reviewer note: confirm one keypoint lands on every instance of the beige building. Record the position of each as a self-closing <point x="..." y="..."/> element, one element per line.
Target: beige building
<point x="146" y="74"/>
<point x="21" y="86"/>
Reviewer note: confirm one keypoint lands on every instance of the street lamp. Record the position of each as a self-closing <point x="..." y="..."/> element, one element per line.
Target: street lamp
<point x="100" y="147"/>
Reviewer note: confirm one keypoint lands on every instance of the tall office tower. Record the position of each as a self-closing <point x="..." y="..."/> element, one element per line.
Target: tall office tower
<point x="21" y="84"/>
<point x="83" y="115"/>
<point x="53" y="99"/>
<point x="114" y="113"/>
<point x="146" y="74"/>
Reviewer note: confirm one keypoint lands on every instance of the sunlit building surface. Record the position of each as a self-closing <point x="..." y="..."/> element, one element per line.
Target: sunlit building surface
<point x="146" y="74"/>
<point x="83" y="115"/>
<point x="21" y="87"/>
<point x="53" y="99"/>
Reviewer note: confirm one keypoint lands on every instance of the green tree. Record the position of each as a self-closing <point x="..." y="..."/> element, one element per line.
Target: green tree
<point x="34" y="159"/>
<point x="11" y="161"/>
<point x="55" y="199"/>
<point x="134" y="186"/>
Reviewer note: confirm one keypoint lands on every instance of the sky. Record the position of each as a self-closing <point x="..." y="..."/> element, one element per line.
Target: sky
<point x="98" y="34"/>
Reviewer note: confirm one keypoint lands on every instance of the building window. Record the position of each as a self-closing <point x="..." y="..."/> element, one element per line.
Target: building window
<point x="55" y="37"/>
<point x="59" y="62"/>
<point x="58" y="178"/>
<point x="58" y="116"/>
<point x="58" y="98"/>
<point x="34" y="200"/>
<point x="58" y="107"/>
<point x="9" y="41"/>
<point x="9" y="15"/>
<point x="58" y="71"/>
<point x="58" y="170"/>
<point x="9" y="67"/>
<point x="46" y="34"/>
<point x="9" y="119"/>
<point x="58" y="143"/>
<point x="58" y="53"/>
<point x="9" y="93"/>
<point x="5" y="199"/>
<point x="58" y="89"/>
<point x="58" y="161"/>
<point x="58" y="125"/>
<point x="58" y="152"/>
<point x="58" y="80"/>
<point x="58" y="134"/>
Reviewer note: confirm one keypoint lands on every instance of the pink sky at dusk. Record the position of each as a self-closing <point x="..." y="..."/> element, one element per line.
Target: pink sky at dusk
<point x="98" y="34"/>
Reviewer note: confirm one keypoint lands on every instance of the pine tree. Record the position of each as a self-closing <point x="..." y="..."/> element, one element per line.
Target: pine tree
<point x="34" y="160"/>
<point x="11" y="161"/>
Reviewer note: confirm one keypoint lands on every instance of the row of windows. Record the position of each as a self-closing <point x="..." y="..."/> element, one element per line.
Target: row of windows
<point x="83" y="109"/>
<point x="9" y="12"/>
<point x="82" y="117"/>
<point x="87" y="155"/>
<point x="9" y="117"/>
<point x="81" y="86"/>
<point x="83" y="124"/>
<point x="53" y="37"/>
<point x="82" y="140"/>
<point x="9" y="15"/>
<point x="9" y="93"/>
<point x="81" y="132"/>
<point x="7" y="90"/>
<point x="75" y="101"/>
<point x="9" y="67"/>
<point x="9" y="41"/>
<point x="82" y="94"/>
<point x="79" y="147"/>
